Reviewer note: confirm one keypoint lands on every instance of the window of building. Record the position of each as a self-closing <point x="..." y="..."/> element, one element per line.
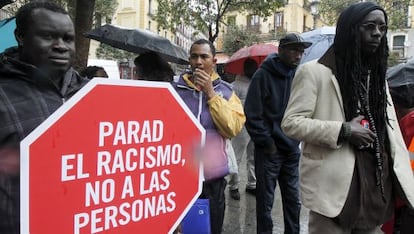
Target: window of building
<point x="398" y="42"/>
<point x="253" y="23"/>
<point x="253" y="20"/>
<point x="278" y="21"/>
<point x="150" y="7"/>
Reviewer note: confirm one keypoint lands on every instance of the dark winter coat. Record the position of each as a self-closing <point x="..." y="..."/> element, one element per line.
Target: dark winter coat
<point x="265" y="105"/>
<point x="27" y="98"/>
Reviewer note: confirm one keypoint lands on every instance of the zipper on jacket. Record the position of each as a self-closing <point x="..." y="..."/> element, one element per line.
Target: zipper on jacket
<point x="200" y="106"/>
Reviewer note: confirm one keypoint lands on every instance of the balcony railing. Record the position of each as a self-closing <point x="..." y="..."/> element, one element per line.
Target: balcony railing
<point x="253" y="28"/>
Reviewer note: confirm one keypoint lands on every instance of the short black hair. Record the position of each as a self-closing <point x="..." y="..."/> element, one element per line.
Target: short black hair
<point x="90" y="71"/>
<point x="23" y="15"/>
<point x="204" y="41"/>
<point x="151" y="66"/>
<point x="249" y="67"/>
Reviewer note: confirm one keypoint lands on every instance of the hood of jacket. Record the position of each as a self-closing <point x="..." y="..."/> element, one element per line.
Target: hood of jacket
<point x="12" y="68"/>
<point x="276" y="67"/>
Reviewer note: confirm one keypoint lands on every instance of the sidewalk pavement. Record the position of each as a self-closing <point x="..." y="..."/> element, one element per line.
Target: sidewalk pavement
<point x="240" y="216"/>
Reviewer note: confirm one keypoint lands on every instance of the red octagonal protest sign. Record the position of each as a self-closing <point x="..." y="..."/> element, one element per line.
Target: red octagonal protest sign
<point x="118" y="157"/>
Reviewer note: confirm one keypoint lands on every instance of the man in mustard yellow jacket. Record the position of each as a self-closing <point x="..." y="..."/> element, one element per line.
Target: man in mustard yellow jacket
<point x="353" y="159"/>
<point x="214" y="103"/>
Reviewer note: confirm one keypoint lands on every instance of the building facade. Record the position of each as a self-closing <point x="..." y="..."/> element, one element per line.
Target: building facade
<point x="299" y="16"/>
<point x="295" y="16"/>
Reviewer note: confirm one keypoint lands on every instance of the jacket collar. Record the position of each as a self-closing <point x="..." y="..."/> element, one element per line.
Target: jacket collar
<point x="328" y="59"/>
<point x="186" y="77"/>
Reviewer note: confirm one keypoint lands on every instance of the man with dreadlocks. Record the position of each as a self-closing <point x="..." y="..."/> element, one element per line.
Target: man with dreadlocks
<point x="348" y="171"/>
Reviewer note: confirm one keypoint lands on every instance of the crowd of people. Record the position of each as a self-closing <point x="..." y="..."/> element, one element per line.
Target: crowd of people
<point x="327" y="130"/>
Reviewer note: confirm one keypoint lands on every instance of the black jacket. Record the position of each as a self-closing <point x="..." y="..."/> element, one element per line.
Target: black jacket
<point x="265" y="105"/>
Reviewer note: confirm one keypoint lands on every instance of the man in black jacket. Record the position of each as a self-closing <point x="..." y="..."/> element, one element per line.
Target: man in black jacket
<point x="276" y="155"/>
<point x="35" y="79"/>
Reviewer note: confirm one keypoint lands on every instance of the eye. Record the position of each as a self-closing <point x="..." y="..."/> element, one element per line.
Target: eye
<point x="47" y="36"/>
<point x="372" y="27"/>
<point x="68" y="38"/>
<point x="383" y="27"/>
<point x="369" y="26"/>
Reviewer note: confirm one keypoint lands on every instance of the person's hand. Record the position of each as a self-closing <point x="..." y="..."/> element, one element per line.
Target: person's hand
<point x="360" y="137"/>
<point x="9" y="162"/>
<point x="202" y="81"/>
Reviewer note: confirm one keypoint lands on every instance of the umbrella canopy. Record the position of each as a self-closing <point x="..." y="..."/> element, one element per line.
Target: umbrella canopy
<point x="138" y="41"/>
<point x="7" y="38"/>
<point x="257" y="52"/>
<point x="401" y="83"/>
<point x="321" y="38"/>
<point x="5" y="2"/>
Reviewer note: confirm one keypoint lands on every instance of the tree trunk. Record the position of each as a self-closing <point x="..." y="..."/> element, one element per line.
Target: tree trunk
<point x="83" y="23"/>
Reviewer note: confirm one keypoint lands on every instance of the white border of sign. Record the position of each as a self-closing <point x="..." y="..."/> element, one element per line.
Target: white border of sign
<point x="26" y="142"/>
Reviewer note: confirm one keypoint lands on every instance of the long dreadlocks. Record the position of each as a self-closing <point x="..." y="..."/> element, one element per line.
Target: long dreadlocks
<point x="352" y="69"/>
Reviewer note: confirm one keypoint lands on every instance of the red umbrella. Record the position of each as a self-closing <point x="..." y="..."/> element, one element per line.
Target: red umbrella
<point x="257" y="52"/>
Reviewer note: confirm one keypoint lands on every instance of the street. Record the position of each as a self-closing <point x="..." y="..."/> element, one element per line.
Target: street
<point x="240" y="216"/>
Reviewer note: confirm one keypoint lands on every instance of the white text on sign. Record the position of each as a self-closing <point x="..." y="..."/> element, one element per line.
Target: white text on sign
<point x="130" y="132"/>
<point x="136" y="151"/>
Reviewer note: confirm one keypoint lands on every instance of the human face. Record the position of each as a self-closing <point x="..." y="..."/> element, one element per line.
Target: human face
<point x="49" y="43"/>
<point x="291" y="55"/>
<point x="202" y="58"/>
<point x="371" y="30"/>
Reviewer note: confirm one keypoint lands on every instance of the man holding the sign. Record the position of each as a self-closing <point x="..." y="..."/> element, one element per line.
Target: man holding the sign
<point x="35" y="79"/>
<point x="220" y="112"/>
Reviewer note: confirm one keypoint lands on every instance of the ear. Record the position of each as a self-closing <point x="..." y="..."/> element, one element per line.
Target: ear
<point x="19" y="37"/>
<point x="215" y="60"/>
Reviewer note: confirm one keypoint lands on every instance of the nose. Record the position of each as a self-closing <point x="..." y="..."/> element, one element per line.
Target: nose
<point x="297" y="54"/>
<point x="376" y="30"/>
<point x="198" y="60"/>
<point x="60" y="44"/>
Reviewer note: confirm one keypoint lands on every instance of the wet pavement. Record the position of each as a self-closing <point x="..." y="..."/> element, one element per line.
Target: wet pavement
<point x="240" y="216"/>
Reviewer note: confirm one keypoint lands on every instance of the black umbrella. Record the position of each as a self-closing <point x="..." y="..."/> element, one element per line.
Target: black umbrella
<point x="138" y="41"/>
<point x="401" y="82"/>
<point x="5" y="2"/>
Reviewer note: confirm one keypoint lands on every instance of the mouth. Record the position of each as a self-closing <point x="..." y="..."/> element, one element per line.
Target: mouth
<point x="59" y="60"/>
<point x="374" y="44"/>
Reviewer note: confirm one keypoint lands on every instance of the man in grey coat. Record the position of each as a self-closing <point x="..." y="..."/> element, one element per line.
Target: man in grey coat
<point x="354" y="160"/>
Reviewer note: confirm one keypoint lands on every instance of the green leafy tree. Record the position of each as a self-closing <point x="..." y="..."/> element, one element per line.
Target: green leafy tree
<point x="397" y="11"/>
<point x="105" y="51"/>
<point x="237" y="38"/>
<point x="208" y="15"/>
<point x="104" y="10"/>
<point x="83" y="13"/>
